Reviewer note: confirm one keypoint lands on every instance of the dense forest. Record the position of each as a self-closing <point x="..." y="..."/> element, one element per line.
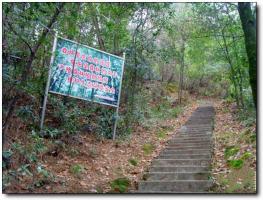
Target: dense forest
<point x="177" y="56"/>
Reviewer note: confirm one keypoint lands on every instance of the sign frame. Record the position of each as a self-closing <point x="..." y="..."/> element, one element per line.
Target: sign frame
<point x="96" y="101"/>
<point x="47" y="89"/>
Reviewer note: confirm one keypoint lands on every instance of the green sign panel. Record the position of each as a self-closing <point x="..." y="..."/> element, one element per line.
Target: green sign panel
<point x="86" y="73"/>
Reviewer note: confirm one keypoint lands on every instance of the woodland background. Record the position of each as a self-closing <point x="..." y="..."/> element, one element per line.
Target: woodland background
<point x="177" y="54"/>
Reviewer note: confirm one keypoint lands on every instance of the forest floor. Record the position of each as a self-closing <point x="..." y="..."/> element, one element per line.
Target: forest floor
<point x="234" y="162"/>
<point x="88" y="165"/>
<point x="83" y="163"/>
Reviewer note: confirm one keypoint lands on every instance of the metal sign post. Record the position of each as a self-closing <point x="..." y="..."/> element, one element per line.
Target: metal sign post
<point x="90" y="72"/>
<point x="48" y="82"/>
<point x="117" y="110"/>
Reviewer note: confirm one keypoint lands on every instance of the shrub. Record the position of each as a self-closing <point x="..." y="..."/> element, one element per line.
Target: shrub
<point x="148" y="148"/>
<point x="51" y="133"/>
<point x="133" y="161"/>
<point x="246" y="155"/>
<point x="230" y="151"/>
<point x="161" y="134"/>
<point x="26" y="113"/>
<point x="120" y="185"/>
<point x="105" y="124"/>
<point x="236" y="164"/>
<point x="77" y="169"/>
<point x="6" y="158"/>
<point x="175" y="111"/>
<point x="93" y="152"/>
<point x="171" y="87"/>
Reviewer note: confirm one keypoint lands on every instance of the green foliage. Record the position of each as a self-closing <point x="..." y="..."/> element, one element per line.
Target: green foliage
<point x="161" y="134"/>
<point x="72" y="124"/>
<point x="230" y="151"/>
<point x="74" y="152"/>
<point x="248" y="136"/>
<point x="6" y="155"/>
<point x="164" y="110"/>
<point x="133" y="161"/>
<point x="51" y="132"/>
<point x="26" y="113"/>
<point x="43" y="171"/>
<point x="24" y="170"/>
<point x="124" y="128"/>
<point x="120" y="185"/>
<point x="38" y="143"/>
<point x="247" y="116"/>
<point x="171" y="87"/>
<point x="44" y="176"/>
<point x="237" y="181"/>
<point x="148" y="148"/>
<point x="77" y="169"/>
<point x="93" y="152"/>
<point x="175" y="111"/>
<point x="105" y="124"/>
<point x="253" y="138"/>
<point x="236" y="164"/>
<point x="68" y="115"/>
<point x="246" y="155"/>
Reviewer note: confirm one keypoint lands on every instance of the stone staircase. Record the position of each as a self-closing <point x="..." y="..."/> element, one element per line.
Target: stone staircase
<point x="184" y="165"/>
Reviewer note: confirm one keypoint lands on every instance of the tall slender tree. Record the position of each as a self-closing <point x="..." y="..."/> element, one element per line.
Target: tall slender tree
<point x="249" y="27"/>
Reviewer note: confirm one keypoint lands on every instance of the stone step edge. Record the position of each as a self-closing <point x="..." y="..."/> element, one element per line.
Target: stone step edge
<point x="186" y="155"/>
<point x="169" y="192"/>
<point x="168" y="159"/>
<point x="202" y="172"/>
<point x="179" y="166"/>
<point x="180" y="181"/>
<point x="183" y="147"/>
<point x="188" y="150"/>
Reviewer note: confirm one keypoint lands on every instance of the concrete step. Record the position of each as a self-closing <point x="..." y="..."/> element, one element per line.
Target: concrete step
<point x="176" y="186"/>
<point x="208" y="139"/>
<point x="184" y="165"/>
<point x="196" y="126"/>
<point x="196" y="132"/>
<point x="201" y="134"/>
<point x="171" y="192"/>
<point x="199" y="124"/>
<point x="191" y="151"/>
<point x="202" y="122"/>
<point x="185" y="156"/>
<point x="191" y="140"/>
<point x="190" y="137"/>
<point x="186" y="142"/>
<point x="193" y="136"/>
<point x="185" y="148"/>
<point x="194" y="169"/>
<point x="190" y="143"/>
<point x="180" y="162"/>
<point x="171" y="176"/>
<point x="200" y="116"/>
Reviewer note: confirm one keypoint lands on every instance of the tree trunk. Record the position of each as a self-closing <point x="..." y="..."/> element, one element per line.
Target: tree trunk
<point x="181" y="81"/>
<point x="249" y="27"/>
<point x="232" y="70"/>
<point x="28" y="67"/>
<point x="97" y="28"/>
